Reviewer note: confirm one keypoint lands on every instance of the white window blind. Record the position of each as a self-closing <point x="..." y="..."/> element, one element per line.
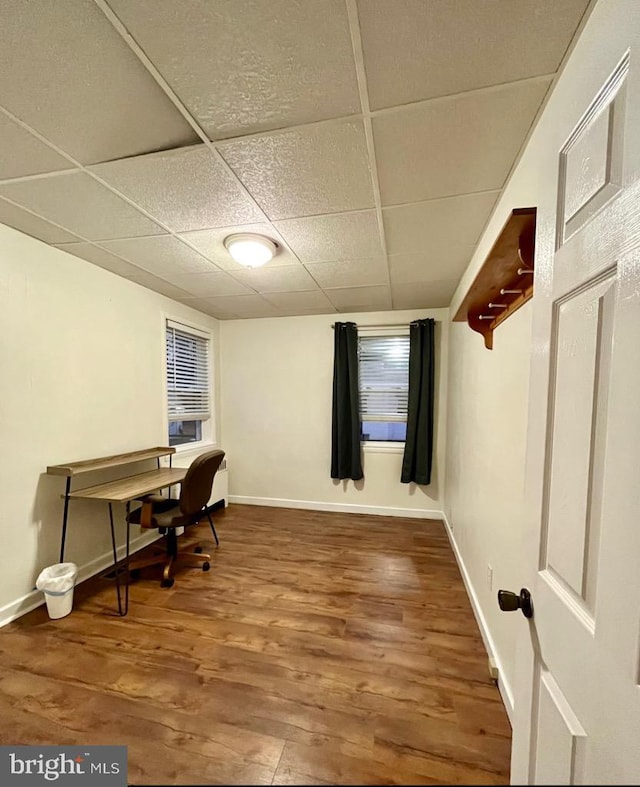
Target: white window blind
<point x="384" y="377"/>
<point x="188" y="381"/>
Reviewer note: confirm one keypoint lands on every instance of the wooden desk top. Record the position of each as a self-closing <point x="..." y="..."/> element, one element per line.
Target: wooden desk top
<point x="133" y="486"/>
<point x="102" y="462"/>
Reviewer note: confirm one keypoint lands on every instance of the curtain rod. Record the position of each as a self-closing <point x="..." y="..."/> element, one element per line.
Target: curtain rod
<point x="382" y="325"/>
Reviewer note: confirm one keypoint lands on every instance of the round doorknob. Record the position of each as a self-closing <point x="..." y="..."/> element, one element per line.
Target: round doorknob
<point x="510" y="602"/>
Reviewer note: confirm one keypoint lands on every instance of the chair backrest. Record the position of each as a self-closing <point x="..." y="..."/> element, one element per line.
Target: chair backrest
<point x="198" y="482"/>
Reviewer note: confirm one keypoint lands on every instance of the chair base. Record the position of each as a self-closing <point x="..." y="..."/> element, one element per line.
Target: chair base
<point x="170" y="558"/>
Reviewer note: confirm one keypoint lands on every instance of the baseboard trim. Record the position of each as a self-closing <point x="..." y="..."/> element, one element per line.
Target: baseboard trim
<point x="19" y="607"/>
<point x="212" y="507"/>
<point x="505" y="689"/>
<point x="346" y="508"/>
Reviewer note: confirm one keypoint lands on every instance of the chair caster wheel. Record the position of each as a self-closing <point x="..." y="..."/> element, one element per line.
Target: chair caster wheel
<point x="198" y="550"/>
<point x="206" y="566"/>
<point x="167" y="583"/>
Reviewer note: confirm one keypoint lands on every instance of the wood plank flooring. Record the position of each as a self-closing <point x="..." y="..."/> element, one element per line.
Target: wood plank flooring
<point x="320" y="648"/>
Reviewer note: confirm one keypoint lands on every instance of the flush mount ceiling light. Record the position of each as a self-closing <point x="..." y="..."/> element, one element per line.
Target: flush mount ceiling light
<point x="250" y="250"/>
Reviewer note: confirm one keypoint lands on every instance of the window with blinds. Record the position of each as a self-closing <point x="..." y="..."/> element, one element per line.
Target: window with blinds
<point x="384" y="387"/>
<point x="188" y="383"/>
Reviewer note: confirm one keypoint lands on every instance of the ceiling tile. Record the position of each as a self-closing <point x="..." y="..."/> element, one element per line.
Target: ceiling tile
<point x="444" y="262"/>
<point x="81" y="205"/>
<point x="203" y="305"/>
<point x="23" y="154"/>
<point x="417" y="226"/>
<point x="360" y="299"/>
<point x="312" y="302"/>
<point x="219" y="315"/>
<point x="350" y="273"/>
<point x="159" y="285"/>
<point x="211" y="244"/>
<point x="243" y="306"/>
<point x="66" y="72"/>
<point x="408" y="50"/>
<point x="185" y="189"/>
<point x="206" y="285"/>
<point x="163" y="255"/>
<point x="453" y="146"/>
<point x="424" y="295"/>
<point x="250" y="66"/>
<point x="26" y="222"/>
<point x="287" y="279"/>
<point x="334" y="237"/>
<point x="100" y="257"/>
<point x="305" y="171"/>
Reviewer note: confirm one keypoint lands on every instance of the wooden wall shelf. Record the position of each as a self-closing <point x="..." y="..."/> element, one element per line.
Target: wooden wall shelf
<point x="489" y="301"/>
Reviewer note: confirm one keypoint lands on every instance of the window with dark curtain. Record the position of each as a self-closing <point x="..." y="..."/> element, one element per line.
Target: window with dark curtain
<point x="346" y="460"/>
<point x="418" y="448"/>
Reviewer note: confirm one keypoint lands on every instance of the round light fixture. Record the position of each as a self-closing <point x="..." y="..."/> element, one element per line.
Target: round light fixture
<point x="250" y="250"/>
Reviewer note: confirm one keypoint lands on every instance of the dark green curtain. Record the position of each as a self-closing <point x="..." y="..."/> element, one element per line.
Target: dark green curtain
<point x="345" y="431"/>
<point x="418" y="447"/>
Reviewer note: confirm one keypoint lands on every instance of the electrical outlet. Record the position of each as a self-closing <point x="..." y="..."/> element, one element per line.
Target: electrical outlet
<point x="489" y="577"/>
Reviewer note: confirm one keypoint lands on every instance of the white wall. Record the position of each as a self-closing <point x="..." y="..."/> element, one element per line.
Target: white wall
<point x="81" y="375"/>
<point x="488" y="402"/>
<point x="276" y="409"/>
<point x="487" y="427"/>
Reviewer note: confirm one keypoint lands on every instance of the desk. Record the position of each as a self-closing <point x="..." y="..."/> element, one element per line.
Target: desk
<point x="123" y="490"/>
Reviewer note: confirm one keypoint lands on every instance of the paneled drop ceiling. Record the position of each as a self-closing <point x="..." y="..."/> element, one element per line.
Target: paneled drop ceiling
<point x="369" y="138"/>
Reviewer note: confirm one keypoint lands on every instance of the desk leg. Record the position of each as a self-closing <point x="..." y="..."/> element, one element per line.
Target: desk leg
<point x="126" y="562"/>
<point x="64" y="518"/>
<point x="115" y="558"/>
<point x="122" y="609"/>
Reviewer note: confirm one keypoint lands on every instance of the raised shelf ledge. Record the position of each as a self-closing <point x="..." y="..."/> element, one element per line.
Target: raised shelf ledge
<point x="103" y="462"/>
<point x="501" y="287"/>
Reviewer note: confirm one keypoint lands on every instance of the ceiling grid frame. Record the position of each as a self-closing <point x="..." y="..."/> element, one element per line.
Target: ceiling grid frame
<point x="409" y="105"/>
<point x="358" y="54"/>
<point x="423" y="257"/>
<point x="78" y="167"/>
<point x="157" y="76"/>
<point x="365" y="115"/>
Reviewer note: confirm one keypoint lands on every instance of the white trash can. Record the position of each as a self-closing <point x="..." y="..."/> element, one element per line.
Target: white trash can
<point x="57" y="583"/>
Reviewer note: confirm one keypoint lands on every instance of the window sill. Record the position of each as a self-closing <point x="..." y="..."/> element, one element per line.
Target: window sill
<point x="379" y="447"/>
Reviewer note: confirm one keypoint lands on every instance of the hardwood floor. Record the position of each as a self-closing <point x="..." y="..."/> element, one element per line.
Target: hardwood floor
<point x="320" y="648"/>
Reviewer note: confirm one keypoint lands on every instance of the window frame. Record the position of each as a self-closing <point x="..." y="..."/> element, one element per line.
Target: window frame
<point x="380" y="446"/>
<point x="208" y="426"/>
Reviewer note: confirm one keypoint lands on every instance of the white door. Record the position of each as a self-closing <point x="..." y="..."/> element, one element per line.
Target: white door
<point x="577" y="690"/>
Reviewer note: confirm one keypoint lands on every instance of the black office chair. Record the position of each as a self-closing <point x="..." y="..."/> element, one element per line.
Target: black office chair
<point x="167" y="514"/>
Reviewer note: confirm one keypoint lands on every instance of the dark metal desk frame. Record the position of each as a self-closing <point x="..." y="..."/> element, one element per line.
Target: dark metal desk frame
<point x="123" y="490"/>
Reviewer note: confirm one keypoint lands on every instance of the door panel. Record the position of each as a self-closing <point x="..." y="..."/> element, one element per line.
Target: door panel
<point x="581" y="344"/>
<point x="591" y="160"/>
<point x="559" y="735"/>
